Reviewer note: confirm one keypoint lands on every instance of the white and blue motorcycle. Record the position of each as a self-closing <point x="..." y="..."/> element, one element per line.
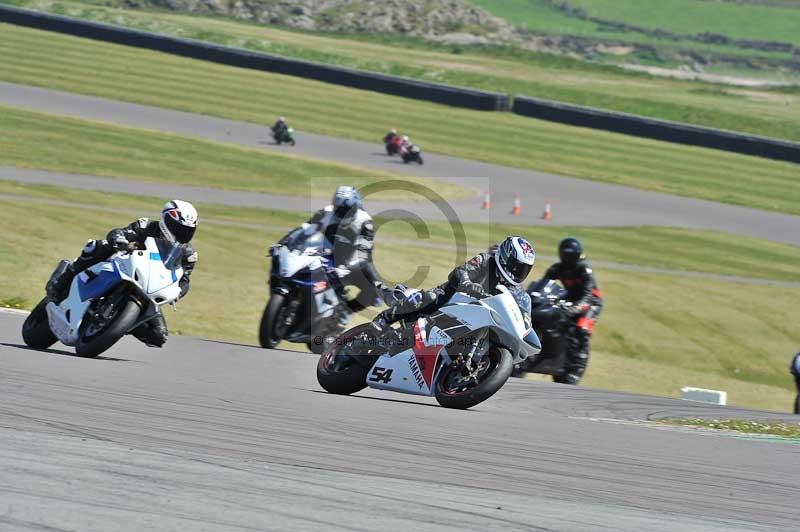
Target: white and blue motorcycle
<point x="303" y="306"/>
<point x="108" y="300"/>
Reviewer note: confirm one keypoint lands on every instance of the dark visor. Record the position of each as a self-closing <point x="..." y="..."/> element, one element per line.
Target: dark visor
<point x="517" y="270"/>
<point x="182" y="233"/>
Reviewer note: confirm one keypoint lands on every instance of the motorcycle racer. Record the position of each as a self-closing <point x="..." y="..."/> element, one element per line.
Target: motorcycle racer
<point x="176" y="224"/>
<point x="585" y="304"/>
<point x="279" y="126"/>
<point x="390" y="136"/>
<point x="351" y="231"/>
<point x="509" y="263"/>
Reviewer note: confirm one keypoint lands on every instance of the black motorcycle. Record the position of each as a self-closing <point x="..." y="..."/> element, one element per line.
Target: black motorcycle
<point x="303" y="306"/>
<point x="551" y="325"/>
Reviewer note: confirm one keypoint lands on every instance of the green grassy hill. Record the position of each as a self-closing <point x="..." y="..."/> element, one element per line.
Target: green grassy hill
<point x="761" y="34"/>
<point x="773" y="112"/>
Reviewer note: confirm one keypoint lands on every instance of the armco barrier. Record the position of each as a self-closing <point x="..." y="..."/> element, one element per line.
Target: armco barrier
<point x="398" y="86"/>
<point x="657" y="129"/>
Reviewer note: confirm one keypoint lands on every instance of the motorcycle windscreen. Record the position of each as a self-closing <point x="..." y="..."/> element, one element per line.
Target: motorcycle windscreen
<point x="164" y="265"/>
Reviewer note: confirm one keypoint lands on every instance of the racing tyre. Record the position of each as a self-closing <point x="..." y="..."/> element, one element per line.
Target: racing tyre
<point x="338" y="373"/>
<point x="453" y="391"/>
<point x="319" y="348"/>
<point x="36" y="331"/>
<point x="273" y="322"/>
<point x="419" y="160"/>
<point x="113" y="319"/>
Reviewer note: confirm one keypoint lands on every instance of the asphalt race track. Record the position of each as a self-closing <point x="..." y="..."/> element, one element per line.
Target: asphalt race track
<point x="209" y="436"/>
<point x="575" y="201"/>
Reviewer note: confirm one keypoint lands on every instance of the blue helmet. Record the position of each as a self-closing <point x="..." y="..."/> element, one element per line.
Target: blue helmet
<point x="346" y="199"/>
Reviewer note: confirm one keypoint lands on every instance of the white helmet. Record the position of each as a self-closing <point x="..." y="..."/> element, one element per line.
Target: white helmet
<point x="345" y="200"/>
<point x="514" y="258"/>
<point x="281" y="119"/>
<point x="405" y="138"/>
<point x="178" y="221"/>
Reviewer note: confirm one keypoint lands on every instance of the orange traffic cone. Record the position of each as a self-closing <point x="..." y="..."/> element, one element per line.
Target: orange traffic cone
<point x="548" y="213"/>
<point x="487" y="201"/>
<point x="517" y="209"/>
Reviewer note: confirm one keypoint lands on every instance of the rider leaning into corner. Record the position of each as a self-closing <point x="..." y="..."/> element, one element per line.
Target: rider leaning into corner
<point x="390" y="136"/>
<point x="279" y="125"/>
<point x="508" y="264"/>
<point x="350" y="230"/>
<point x="584" y="303"/>
<point x="176" y="224"/>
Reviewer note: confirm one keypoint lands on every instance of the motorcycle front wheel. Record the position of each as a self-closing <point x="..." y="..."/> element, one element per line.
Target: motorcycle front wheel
<point x="273" y="322"/>
<point x="109" y="319"/>
<point x="454" y="390"/>
<point x="36" y="331"/>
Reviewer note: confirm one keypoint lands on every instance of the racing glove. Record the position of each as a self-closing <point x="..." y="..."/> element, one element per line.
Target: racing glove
<point x="475" y="290"/>
<point x="119" y="242"/>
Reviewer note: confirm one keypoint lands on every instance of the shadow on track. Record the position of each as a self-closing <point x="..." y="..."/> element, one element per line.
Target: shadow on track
<point x="372" y="398"/>
<point x="61" y="352"/>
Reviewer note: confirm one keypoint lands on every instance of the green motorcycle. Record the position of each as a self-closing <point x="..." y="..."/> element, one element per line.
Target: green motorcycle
<point x="285" y="135"/>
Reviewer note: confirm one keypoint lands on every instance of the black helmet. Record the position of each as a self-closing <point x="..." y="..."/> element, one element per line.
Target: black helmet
<point x="514" y="259"/>
<point x="570" y="251"/>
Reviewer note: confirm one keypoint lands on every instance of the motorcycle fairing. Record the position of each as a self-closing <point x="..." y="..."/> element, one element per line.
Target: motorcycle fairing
<point x="159" y="277"/>
<point x="97" y="280"/>
<point x="413" y="370"/>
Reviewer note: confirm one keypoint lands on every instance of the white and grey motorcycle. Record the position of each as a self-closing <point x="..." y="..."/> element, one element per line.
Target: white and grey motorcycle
<point x="303" y="306"/>
<point x="462" y="354"/>
<point x="108" y="300"/>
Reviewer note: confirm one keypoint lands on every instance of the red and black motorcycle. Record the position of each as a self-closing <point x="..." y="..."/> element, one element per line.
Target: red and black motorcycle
<point x="393" y="144"/>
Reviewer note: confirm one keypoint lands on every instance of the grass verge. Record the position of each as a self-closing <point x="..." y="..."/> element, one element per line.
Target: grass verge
<point x="683" y="250"/>
<point x="784" y="430"/>
<point x="161" y="80"/>
<point x="57" y="143"/>
<point x="664" y="331"/>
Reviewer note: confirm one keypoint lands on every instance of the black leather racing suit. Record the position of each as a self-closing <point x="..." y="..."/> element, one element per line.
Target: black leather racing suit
<point x="587" y="302"/>
<point x="154" y="332"/>
<point x="353" y="238"/>
<point x="278" y="127"/>
<point x="477" y="278"/>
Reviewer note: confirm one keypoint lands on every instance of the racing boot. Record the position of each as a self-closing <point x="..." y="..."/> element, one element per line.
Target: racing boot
<point x="344" y="316"/>
<point x="384" y="334"/>
<point x="152" y="333"/>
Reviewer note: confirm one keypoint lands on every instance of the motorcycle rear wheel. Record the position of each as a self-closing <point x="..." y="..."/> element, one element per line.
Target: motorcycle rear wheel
<point x="124" y="317"/>
<point x="36" y="331"/>
<point x="450" y="395"/>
